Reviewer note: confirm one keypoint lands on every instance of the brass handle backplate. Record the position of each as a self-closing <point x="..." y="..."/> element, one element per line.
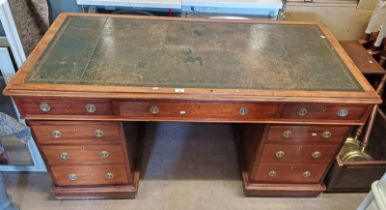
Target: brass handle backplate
<point x="44" y="107"/>
<point x="343" y="112"/>
<point x="154" y="109"/>
<point x="56" y="134"/>
<point x="243" y="111"/>
<point x="90" y="108"/>
<point x="302" y="112"/>
<point x="280" y="154"/>
<point x="109" y="175"/>
<point x="306" y="174"/>
<point x="64" y="155"/>
<point x="272" y="173"/>
<point x="316" y="155"/>
<point x="72" y="176"/>
<point x="104" y="154"/>
<point x="99" y="133"/>
<point x="326" y="134"/>
<point x="287" y="134"/>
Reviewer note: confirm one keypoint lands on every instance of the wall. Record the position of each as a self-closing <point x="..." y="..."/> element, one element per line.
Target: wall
<point x="347" y="22"/>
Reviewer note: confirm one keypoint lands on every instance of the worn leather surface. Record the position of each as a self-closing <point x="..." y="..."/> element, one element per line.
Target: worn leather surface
<point x="170" y="53"/>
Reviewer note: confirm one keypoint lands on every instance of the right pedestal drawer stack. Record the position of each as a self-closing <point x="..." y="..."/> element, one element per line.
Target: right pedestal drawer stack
<point x="288" y="160"/>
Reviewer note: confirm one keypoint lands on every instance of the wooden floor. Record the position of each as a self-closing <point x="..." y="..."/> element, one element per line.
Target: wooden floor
<point x="179" y="173"/>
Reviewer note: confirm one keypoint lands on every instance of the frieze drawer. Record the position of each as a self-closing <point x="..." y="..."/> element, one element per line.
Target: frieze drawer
<point x="285" y="134"/>
<point x="75" y="132"/>
<point x="65" y="106"/>
<point x="289" y="173"/>
<point x="323" y="111"/>
<point x="197" y="110"/>
<point x="298" y="153"/>
<point x="90" y="154"/>
<point x="90" y="175"/>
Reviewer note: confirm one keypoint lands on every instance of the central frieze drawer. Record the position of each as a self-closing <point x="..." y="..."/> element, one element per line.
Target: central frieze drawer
<point x="75" y="132"/>
<point x="289" y="173"/>
<point x="298" y="153"/>
<point x="197" y="110"/>
<point x="90" y="154"/>
<point x="285" y="134"/>
<point x="90" y="175"/>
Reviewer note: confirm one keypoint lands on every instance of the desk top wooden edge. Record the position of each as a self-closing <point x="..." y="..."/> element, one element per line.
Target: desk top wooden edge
<point x="17" y="87"/>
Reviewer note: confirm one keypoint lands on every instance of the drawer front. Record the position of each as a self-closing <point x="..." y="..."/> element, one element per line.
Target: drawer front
<point x="90" y="175"/>
<point x="298" y="153"/>
<point x="197" y="110"/>
<point x="75" y="132"/>
<point x="323" y="111"/>
<point x="289" y="173"/>
<point x="307" y="134"/>
<point x="91" y="154"/>
<point x="63" y="106"/>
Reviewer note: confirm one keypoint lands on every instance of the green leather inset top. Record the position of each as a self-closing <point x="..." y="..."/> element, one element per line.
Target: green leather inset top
<point x="182" y="54"/>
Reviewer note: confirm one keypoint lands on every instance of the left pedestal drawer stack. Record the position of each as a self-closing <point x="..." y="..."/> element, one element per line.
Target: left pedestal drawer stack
<point x="89" y="159"/>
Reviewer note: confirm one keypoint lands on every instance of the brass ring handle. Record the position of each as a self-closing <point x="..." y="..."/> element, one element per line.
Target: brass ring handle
<point x="326" y="134"/>
<point x="243" y="111"/>
<point x="90" y="108"/>
<point x="99" y="133"/>
<point x="287" y="134"/>
<point x="72" y="176"/>
<point x="272" y="173"/>
<point x="44" y="107"/>
<point x="316" y="155"/>
<point x="154" y="109"/>
<point x="104" y="154"/>
<point x="302" y="112"/>
<point x="64" y="155"/>
<point x="343" y="112"/>
<point x="306" y="174"/>
<point x="109" y="175"/>
<point x="280" y="154"/>
<point x="56" y="134"/>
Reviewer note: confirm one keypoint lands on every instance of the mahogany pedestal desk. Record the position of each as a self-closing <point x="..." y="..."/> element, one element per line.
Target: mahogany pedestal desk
<point x="289" y="86"/>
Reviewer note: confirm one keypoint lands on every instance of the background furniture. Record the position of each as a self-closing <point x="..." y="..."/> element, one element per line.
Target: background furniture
<point x="7" y="69"/>
<point x="357" y="176"/>
<point x="196" y="8"/>
<point x="375" y="200"/>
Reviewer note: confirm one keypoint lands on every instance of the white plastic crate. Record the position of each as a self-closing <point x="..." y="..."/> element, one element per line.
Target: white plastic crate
<point x="376" y="199"/>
